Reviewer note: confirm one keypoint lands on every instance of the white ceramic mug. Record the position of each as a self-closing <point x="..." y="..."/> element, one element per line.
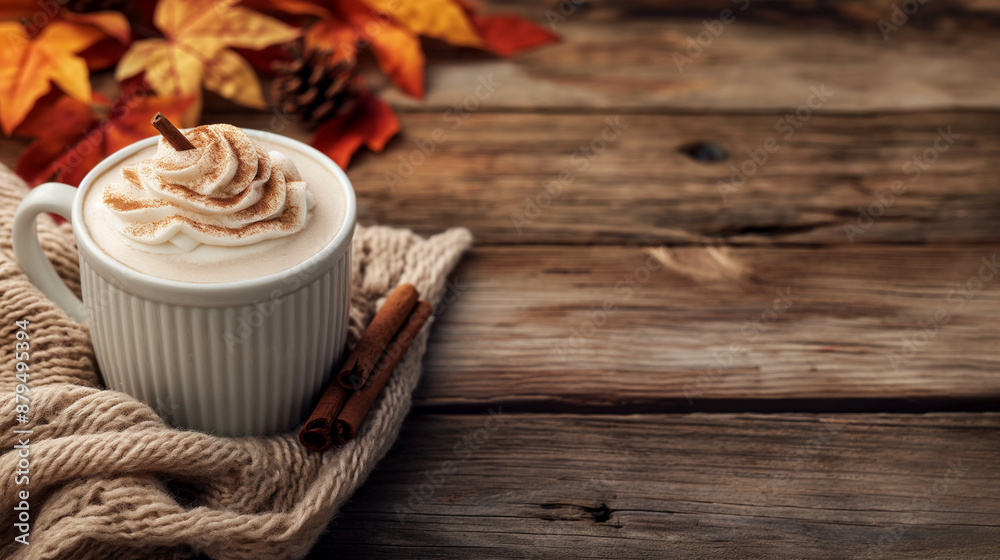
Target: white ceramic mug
<point x="234" y="358"/>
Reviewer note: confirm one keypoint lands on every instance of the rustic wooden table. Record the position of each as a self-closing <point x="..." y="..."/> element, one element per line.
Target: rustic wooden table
<point x="653" y="352"/>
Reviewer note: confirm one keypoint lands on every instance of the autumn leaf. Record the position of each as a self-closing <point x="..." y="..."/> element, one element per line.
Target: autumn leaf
<point x="36" y="15"/>
<point x="292" y="7"/>
<point x="72" y="139"/>
<point x="103" y="54"/>
<point x="372" y="123"/>
<point x="57" y="113"/>
<point x="507" y="35"/>
<point x="396" y="49"/>
<point x="113" y="24"/>
<point x="336" y="36"/>
<point x="196" y="50"/>
<point x="30" y="66"/>
<point x="440" y="19"/>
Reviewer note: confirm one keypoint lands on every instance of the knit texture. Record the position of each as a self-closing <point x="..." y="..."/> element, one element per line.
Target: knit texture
<point x="109" y="479"/>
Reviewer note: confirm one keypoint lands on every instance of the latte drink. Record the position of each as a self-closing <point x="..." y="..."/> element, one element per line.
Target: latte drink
<point x="234" y="208"/>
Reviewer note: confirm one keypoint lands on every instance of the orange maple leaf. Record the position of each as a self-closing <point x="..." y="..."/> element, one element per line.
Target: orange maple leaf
<point x="441" y="19"/>
<point x="36" y="15"/>
<point x="72" y="139"/>
<point x="31" y="64"/>
<point x="396" y="48"/>
<point x="196" y="50"/>
<point x="372" y="123"/>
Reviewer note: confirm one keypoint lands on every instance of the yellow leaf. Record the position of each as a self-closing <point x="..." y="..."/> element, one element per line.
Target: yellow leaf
<point x="232" y="77"/>
<point x="441" y="19"/>
<point x="170" y="70"/>
<point x="29" y="65"/>
<point x="198" y="36"/>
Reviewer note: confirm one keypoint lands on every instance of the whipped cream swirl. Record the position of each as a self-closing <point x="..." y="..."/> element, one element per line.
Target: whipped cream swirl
<point x="226" y="192"/>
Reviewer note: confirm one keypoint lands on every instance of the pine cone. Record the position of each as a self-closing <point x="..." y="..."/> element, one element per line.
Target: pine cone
<point x="313" y="87"/>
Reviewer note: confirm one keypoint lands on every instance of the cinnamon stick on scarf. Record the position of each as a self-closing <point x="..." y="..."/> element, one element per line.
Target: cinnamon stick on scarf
<point x="397" y="307"/>
<point x="316" y="433"/>
<point x="360" y="402"/>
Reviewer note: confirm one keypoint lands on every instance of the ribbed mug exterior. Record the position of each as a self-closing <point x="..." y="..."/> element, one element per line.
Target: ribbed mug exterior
<point x="249" y="369"/>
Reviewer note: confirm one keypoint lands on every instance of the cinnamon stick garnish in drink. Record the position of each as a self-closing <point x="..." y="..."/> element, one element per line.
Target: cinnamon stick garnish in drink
<point x="360" y="402"/>
<point x="175" y="137"/>
<point x="359" y="365"/>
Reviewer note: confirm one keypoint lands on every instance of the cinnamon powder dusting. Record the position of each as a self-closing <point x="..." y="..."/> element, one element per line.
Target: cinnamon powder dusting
<point x="225" y="204"/>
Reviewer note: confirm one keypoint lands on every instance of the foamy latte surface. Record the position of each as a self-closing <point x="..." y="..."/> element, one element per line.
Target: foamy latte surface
<point x="235" y="208"/>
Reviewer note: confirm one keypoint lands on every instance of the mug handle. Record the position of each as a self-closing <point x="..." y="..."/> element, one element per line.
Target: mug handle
<point x="49" y="197"/>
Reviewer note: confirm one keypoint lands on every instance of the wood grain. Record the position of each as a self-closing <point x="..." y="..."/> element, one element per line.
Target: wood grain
<point x="697" y="486"/>
<point x="528" y="327"/>
<point x="644" y="188"/>
<point x="750" y="65"/>
<point x="837" y="11"/>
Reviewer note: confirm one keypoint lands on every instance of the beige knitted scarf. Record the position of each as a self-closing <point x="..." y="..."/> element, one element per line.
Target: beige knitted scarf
<point x="109" y="479"/>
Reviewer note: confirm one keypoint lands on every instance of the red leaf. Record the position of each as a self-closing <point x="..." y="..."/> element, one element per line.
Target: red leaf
<point x="57" y="113"/>
<point x="371" y="123"/>
<point x="507" y="35"/>
<point x="283" y="8"/>
<point x="72" y="140"/>
<point x="263" y="60"/>
<point x="60" y="125"/>
<point x="103" y="54"/>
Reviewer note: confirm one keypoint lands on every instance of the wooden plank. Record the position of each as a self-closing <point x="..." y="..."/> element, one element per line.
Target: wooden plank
<point x="491" y="172"/>
<point x="644" y="187"/>
<point x="697" y="486"/>
<point x="495" y="173"/>
<point x="847" y="11"/>
<point x="633" y="64"/>
<point x="695" y="328"/>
